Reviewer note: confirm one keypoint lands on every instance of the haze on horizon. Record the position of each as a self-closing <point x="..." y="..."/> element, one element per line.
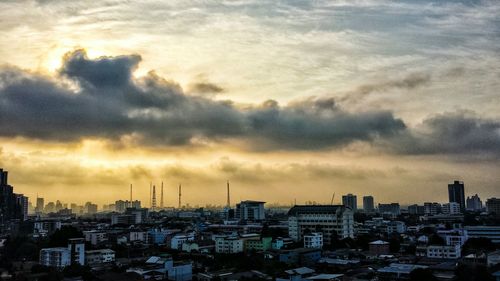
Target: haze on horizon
<point x="285" y="99"/>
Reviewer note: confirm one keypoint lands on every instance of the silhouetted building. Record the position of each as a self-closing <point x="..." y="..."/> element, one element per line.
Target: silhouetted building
<point x="456" y="194"/>
<point x="12" y="206"/>
<point x="350" y="201"/>
<point x="368" y="204"/>
<point x="474" y="203"/>
<point x="493" y="206"/>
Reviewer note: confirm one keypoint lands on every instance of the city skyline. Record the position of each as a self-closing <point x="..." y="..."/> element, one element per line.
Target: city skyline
<point x="287" y="100"/>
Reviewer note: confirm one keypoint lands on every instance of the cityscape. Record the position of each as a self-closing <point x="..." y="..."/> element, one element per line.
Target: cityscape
<point x="227" y="140"/>
<point x="126" y="240"/>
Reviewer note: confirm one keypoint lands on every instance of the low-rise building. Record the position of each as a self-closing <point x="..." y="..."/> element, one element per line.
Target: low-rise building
<point x="443" y="252"/>
<point x="55" y="257"/>
<point x="313" y="240"/>
<point x="228" y="245"/>
<point x="379" y="247"/>
<point x="95" y="237"/>
<point x="99" y="257"/>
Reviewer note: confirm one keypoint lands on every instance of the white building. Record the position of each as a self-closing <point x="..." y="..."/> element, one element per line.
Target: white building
<point x="179" y="239"/>
<point x="313" y="240"/>
<point x="45" y="227"/>
<point x="95" y="237"/>
<point x="250" y="210"/>
<point x="396" y="227"/>
<point x="138" y="236"/>
<point x="327" y="219"/>
<point x="228" y="245"/>
<point x="443" y="252"/>
<point x="76" y="246"/>
<point x="55" y="257"/>
<point x="99" y="257"/>
<point x="454" y="236"/>
<point x="490" y="232"/>
<point x="452" y="208"/>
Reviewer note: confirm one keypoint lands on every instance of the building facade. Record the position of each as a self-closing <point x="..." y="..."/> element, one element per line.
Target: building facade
<point x="456" y="193"/>
<point x="350" y="201"/>
<point x="331" y="220"/>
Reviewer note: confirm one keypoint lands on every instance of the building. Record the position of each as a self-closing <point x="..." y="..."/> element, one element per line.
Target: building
<point x="490" y="232"/>
<point x="177" y="240"/>
<point x="443" y="252"/>
<point x="474" y="203"/>
<point x="416" y="209"/>
<point x="313" y="240"/>
<point x="228" y="245"/>
<point x="39" y="205"/>
<point x="392" y="209"/>
<point x="350" y="201"/>
<point x="300" y="256"/>
<point x="452" y="208"/>
<point x="12" y="206"/>
<point x="76" y="247"/>
<point x="454" y="236"/>
<point x="95" y="237"/>
<point x="258" y="244"/>
<point x="250" y="211"/>
<point x="43" y="228"/>
<point x="99" y="257"/>
<point x="379" y="247"/>
<point x="368" y="204"/>
<point x="493" y="206"/>
<point x="160" y="268"/>
<point x="432" y="208"/>
<point x="397" y="271"/>
<point x="330" y="220"/>
<point x="456" y="193"/>
<point x="55" y="257"/>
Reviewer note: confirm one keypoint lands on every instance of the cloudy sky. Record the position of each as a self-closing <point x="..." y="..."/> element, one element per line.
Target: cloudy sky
<point x="285" y="99"/>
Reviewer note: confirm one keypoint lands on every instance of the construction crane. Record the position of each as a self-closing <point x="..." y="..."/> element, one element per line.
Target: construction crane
<point x="333" y="197"/>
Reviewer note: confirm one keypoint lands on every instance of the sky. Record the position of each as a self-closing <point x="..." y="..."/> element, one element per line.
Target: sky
<point x="288" y="100"/>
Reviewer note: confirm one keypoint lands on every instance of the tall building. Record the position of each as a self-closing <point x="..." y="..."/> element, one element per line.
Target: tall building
<point x="250" y="210"/>
<point x="456" y="193"/>
<point x="331" y="220"/>
<point x="474" y="203"/>
<point x="39" y="205"/>
<point x="368" y="204"/>
<point x="493" y="206"/>
<point x="350" y="201"/>
<point x="12" y="206"/>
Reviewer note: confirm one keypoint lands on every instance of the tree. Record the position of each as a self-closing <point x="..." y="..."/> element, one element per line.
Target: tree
<point x="61" y="236"/>
<point x="475" y="245"/>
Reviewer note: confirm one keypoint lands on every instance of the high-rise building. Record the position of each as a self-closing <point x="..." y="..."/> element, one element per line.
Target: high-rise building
<point x="456" y="193"/>
<point x="474" y="203"/>
<point x="39" y="205"/>
<point x="331" y="220"/>
<point x="350" y="201"/>
<point x="250" y="210"/>
<point x="368" y="204"/>
<point x="493" y="206"/>
<point x="12" y="206"/>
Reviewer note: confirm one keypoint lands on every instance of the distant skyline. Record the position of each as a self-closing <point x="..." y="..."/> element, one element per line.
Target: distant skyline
<point x="285" y="99"/>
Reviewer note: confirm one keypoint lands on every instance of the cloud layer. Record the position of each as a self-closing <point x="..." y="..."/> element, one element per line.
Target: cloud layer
<point x="100" y="98"/>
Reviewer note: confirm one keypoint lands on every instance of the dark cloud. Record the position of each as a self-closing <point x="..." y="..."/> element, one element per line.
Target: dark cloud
<point x="452" y="133"/>
<point x="110" y="103"/>
<point x="205" y="88"/>
<point x="409" y="82"/>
